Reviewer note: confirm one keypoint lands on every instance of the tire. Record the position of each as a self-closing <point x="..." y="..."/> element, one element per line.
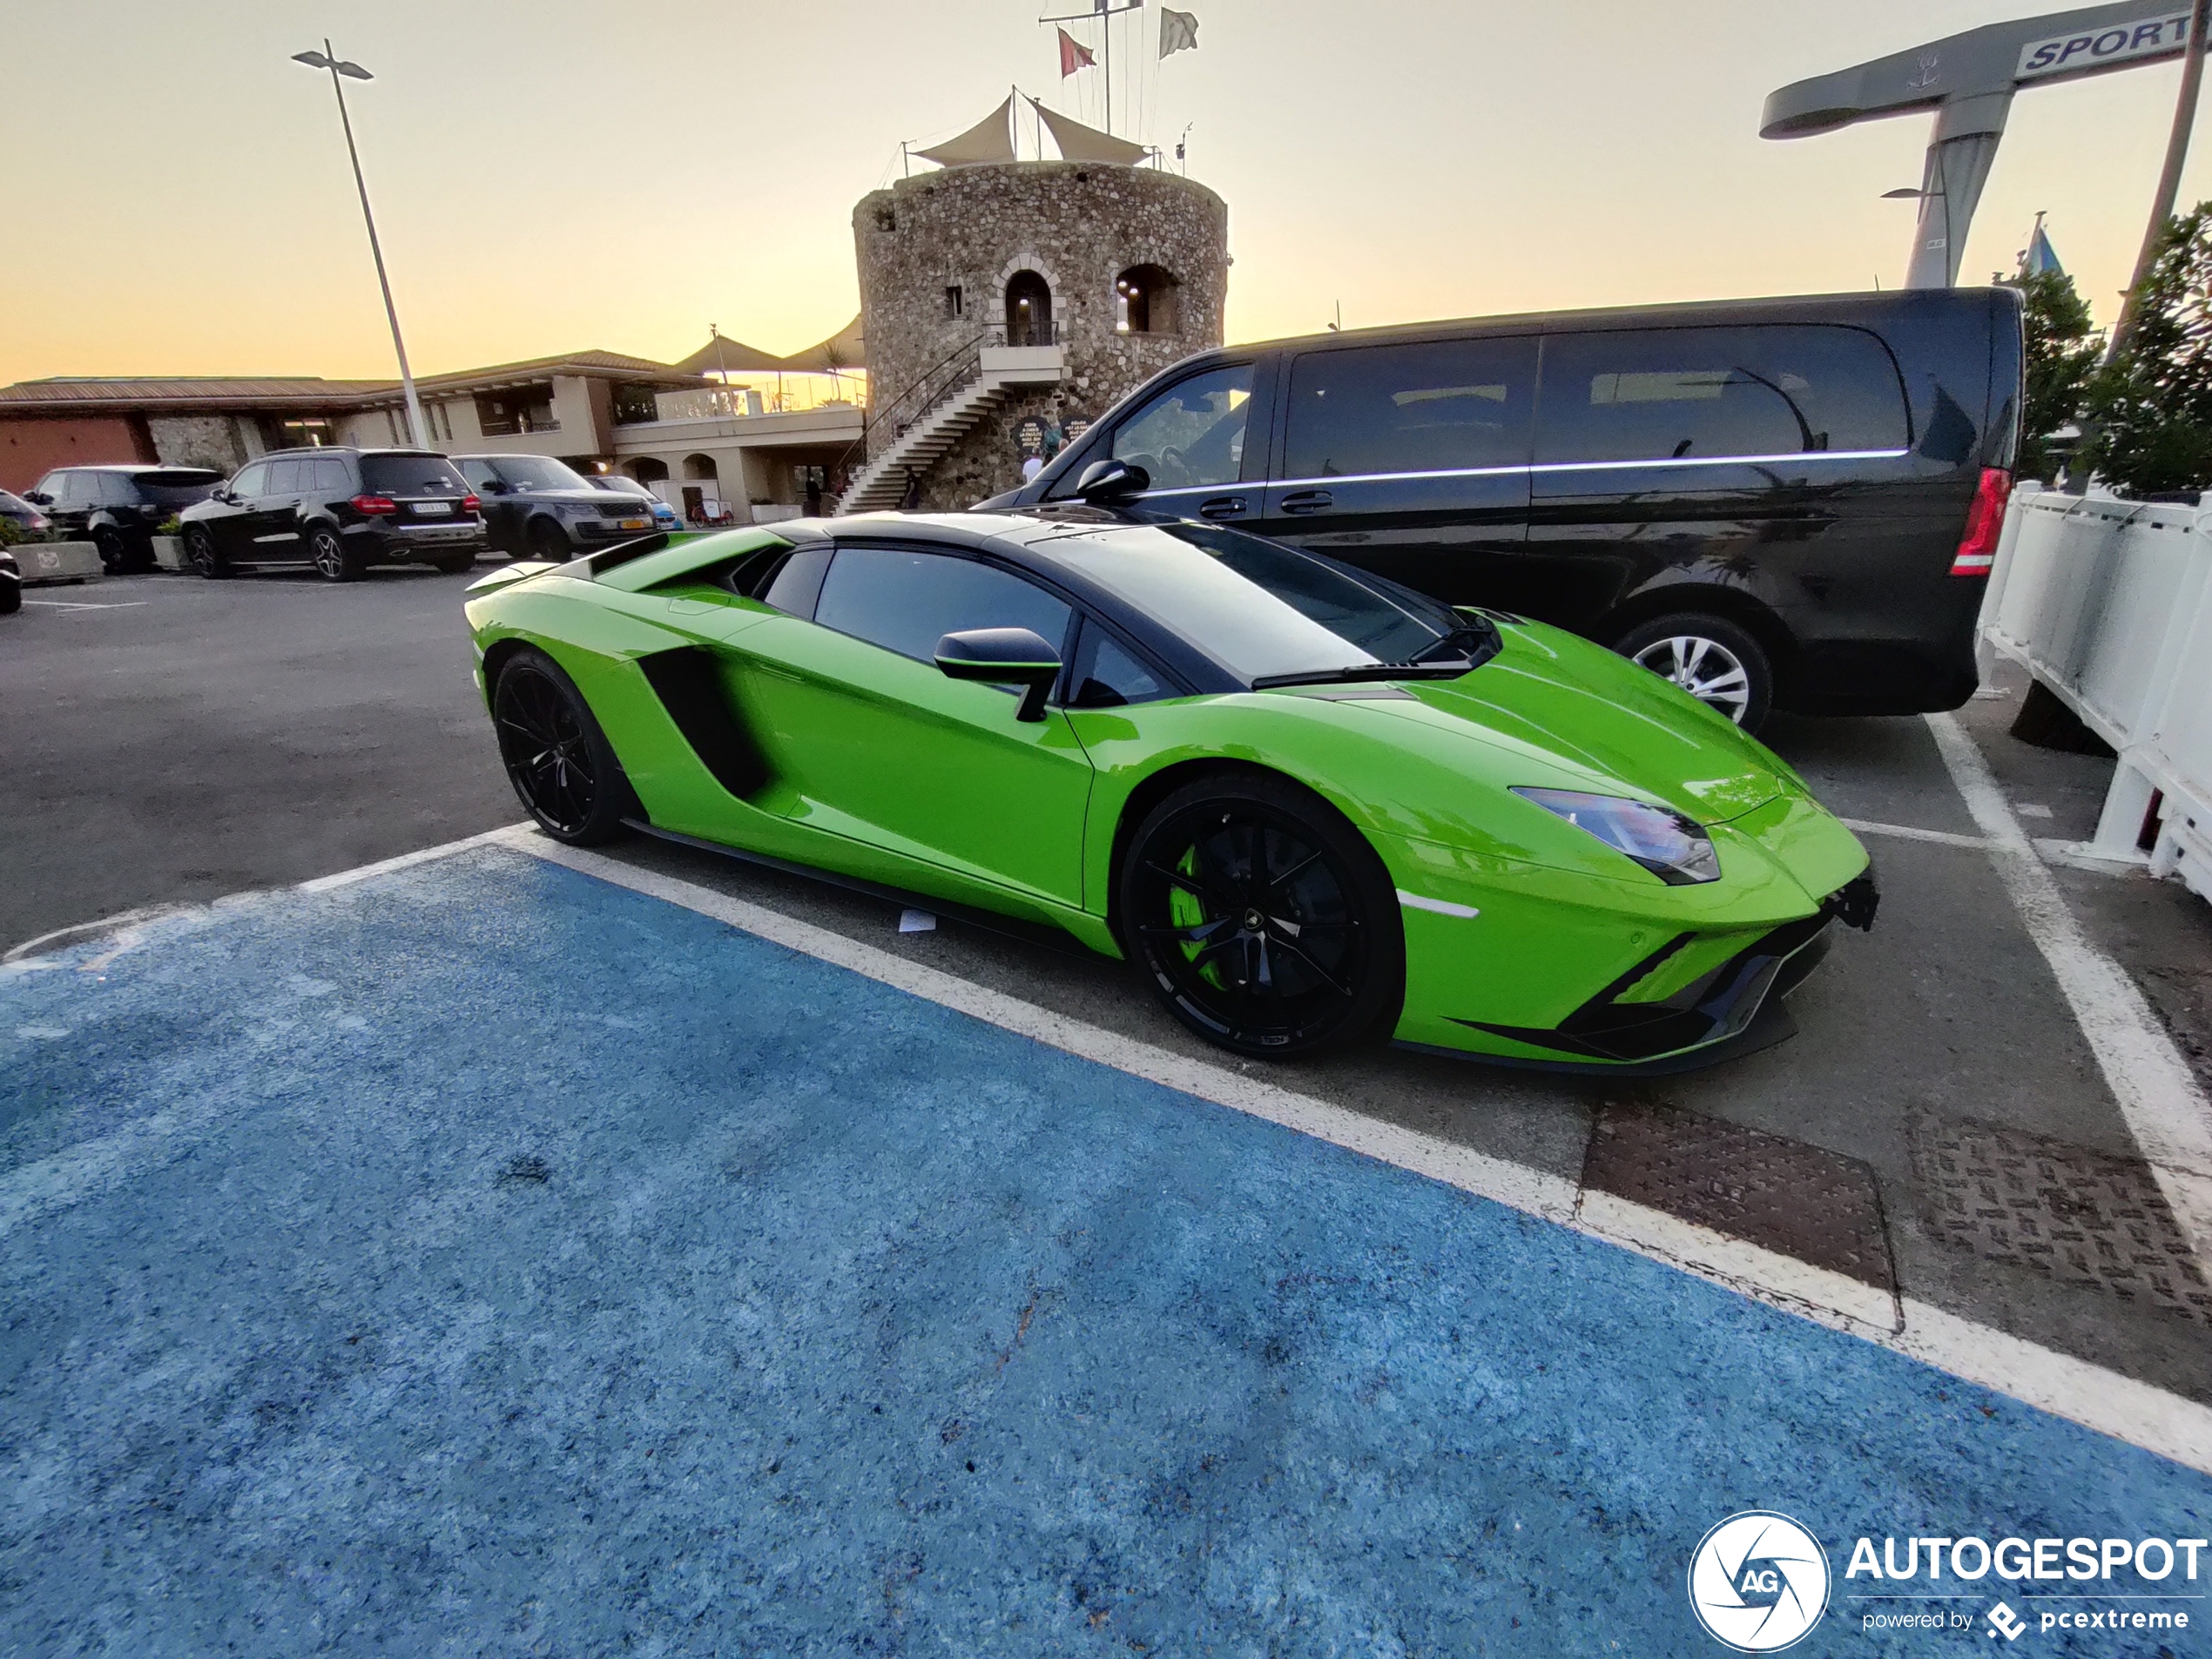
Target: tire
<point x="115" y="558"/>
<point x="455" y="564"/>
<point x="559" y="760"/>
<point x="549" y="540"/>
<point x="1713" y="659"/>
<point x="201" y="554"/>
<point x="10" y="596"/>
<point x="1261" y="918"/>
<point x="327" y="550"/>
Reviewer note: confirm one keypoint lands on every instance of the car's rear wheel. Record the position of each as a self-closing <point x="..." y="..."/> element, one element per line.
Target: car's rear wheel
<point x="1713" y="659"/>
<point x="326" y="550"/>
<point x="558" y="757"/>
<point x="549" y="540"/>
<point x="201" y="554"/>
<point x="1262" y="919"/>
<point x="11" y="593"/>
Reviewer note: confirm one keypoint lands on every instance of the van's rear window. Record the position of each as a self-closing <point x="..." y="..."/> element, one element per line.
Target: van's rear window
<point x="177" y="487"/>
<point x="411" y="476"/>
<point x="1708" y="394"/>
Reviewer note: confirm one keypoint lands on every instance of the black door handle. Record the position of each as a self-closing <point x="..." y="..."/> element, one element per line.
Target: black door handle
<point x="1307" y="501"/>
<point x="1221" y="506"/>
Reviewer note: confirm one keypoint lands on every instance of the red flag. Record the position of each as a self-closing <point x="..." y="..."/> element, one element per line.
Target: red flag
<point x="1073" y="56"/>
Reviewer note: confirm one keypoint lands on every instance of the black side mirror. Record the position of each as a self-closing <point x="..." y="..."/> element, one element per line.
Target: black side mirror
<point x="37" y="498"/>
<point x="1104" y="482"/>
<point x="1003" y="657"/>
<point x="493" y="487"/>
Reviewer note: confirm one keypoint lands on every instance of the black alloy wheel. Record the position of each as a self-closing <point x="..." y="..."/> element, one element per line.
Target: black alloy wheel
<point x="201" y="555"/>
<point x="328" y="549"/>
<point x="558" y="757"/>
<point x="1262" y="918"/>
<point x="11" y="593"/>
<point x="549" y="540"/>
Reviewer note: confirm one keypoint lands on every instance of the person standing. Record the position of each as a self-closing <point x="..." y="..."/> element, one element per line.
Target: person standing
<point x="813" y="493"/>
<point x="910" y="498"/>
<point x="1031" y="466"/>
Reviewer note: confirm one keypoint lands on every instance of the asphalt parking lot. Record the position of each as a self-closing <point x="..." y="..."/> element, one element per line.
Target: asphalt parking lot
<point x="472" y="1230"/>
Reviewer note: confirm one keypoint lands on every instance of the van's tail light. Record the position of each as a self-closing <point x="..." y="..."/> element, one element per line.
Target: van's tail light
<point x="470" y="503"/>
<point x="375" y="506"/>
<point x="1978" y="547"/>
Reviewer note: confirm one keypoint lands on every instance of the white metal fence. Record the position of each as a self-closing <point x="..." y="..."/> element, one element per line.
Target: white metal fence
<point x="2108" y="602"/>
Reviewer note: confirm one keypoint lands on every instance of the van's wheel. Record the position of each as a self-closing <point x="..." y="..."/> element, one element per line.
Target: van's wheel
<point x="558" y="757"/>
<point x="1711" y="657"/>
<point x="114" y="557"/>
<point x="328" y="549"/>
<point x="549" y="540"/>
<point x="201" y="554"/>
<point x="1262" y="919"/>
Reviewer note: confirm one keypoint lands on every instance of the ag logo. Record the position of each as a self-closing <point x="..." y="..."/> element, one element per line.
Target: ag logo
<point x="1758" y="1581"/>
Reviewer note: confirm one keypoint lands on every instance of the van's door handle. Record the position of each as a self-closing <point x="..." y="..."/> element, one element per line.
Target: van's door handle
<point x="1221" y="506"/>
<point x="1308" y="500"/>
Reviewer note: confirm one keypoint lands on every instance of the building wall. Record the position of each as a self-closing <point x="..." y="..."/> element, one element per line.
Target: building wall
<point x="225" y="442"/>
<point x="31" y="446"/>
<point x="1079" y="225"/>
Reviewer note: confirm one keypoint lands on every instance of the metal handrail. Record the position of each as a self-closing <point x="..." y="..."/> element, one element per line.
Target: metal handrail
<point x="934" y="385"/>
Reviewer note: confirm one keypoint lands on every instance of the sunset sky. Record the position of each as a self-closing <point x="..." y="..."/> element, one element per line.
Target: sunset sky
<point x="551" y="176"/>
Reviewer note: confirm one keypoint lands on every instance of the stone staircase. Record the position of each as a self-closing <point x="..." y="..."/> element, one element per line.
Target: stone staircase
<point x="999" y="372"/>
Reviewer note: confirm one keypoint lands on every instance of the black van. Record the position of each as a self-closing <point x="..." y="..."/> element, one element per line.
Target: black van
<point x="1789" y="503"/>
<point x="338" y="510"/>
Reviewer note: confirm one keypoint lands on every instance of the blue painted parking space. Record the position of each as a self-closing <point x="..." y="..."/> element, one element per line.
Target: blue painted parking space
<point x="483" y="1258"/>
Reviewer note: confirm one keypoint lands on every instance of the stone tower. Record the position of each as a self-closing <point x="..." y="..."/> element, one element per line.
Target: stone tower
<point x="997" y="292"/>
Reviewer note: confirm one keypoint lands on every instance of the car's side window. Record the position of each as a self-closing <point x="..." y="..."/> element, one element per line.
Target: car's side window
<point x="906" y="601"/>
<point x="63" y="486"/>
<point x="284" y="476"/>
<point x="117" y="489"/>
<point x="251" y="482"/>
<point x="1431" y="406"/>
<point x="477" y="473"/>
<point x="330" y="478"/>
<point x="1108" y="676"/>
<point x="797" y="582"/>
<point x="50" y="487"/>
<point x="1190" y="436"/>
<point x="1709" y="393"/>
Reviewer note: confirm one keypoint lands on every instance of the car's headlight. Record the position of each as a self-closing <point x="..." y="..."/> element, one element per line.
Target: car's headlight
<point x="1672" y="847"/>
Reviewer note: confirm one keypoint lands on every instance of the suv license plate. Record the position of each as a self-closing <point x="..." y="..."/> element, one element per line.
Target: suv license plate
<point x="430" y="508"/>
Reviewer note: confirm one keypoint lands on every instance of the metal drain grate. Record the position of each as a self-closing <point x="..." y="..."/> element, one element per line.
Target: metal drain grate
<point x="2078" y="1216"/>
<point x="1786" y="1195"/>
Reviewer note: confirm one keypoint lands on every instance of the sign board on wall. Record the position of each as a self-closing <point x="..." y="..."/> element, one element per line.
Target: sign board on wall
<point x="2154" y="36"/>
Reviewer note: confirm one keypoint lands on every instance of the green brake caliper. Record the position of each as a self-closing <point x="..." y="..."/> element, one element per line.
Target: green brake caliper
<point x="1185" y="909"/>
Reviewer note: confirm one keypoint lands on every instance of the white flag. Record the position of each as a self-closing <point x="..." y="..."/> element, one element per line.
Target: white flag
<point x="1178" y="31"/>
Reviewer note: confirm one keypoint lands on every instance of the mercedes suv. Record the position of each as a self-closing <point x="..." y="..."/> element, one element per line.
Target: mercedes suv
<point x="338" y="510"/>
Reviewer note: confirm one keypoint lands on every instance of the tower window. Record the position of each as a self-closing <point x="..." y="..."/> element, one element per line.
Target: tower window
<point x="1144" y="302"/>
<point x="952" y="300"/>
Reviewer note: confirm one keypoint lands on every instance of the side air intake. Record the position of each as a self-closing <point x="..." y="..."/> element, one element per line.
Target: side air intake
<point x="689" y="683"/>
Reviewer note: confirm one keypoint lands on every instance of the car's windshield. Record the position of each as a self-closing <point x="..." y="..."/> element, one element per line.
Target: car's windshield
<point x="615" y="484"/>
<point x="537" y="472"/>
<point x="1264" y="610"/>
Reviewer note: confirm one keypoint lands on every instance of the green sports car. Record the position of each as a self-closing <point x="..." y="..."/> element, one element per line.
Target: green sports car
<point x="1311" y="804"/>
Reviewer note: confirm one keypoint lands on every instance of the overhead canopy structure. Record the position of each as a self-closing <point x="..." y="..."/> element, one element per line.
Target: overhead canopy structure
<point x="989" y="139"/>
<point x="842" y="350"/>
<point x="1968" y="81"/>
<point x="1080" y="143"/>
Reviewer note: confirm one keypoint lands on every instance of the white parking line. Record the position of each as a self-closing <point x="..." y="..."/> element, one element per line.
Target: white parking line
<point x="2122" y="1406"/>
<point x="86" y="604"/>
<point x="1907" y="833"/>
<point x="2156" y="1092"/>
<point x="385" y="866"/>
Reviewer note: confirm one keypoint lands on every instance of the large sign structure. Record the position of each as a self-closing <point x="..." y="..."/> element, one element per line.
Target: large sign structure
<point x="1968" y="81"/>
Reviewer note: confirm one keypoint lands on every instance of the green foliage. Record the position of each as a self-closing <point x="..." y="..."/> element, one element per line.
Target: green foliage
<point x="2062" y="354"/>
<point x="10" y="532"/>
<point x="2153" y="403"/>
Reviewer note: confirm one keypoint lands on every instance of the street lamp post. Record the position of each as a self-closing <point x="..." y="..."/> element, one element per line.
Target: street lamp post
<point x="326" y="59"/>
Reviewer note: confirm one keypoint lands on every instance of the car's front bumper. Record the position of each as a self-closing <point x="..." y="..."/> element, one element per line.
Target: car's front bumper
<point x="1540" y="967"/>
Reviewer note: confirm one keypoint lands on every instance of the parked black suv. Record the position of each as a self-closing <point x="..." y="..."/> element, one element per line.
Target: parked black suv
<point x="117" y="509"/>
<point x="536" y="506"/>
<point x="339" y="510"/>
<point x="1789" y="503"/>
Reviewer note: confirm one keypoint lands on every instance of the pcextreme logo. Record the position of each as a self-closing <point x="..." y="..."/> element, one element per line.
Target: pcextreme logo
<point x="1758" y="1581"/>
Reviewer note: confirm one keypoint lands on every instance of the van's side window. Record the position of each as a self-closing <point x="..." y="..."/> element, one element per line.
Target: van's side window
<point x="1433" y="407"/>
<point x="1191" y="436"/>
<point x="1705" y="394"/>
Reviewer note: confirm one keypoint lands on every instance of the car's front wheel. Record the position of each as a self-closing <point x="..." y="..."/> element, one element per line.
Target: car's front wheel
<point x="11" y="593"/>
<point x="115" y="557"/>
<point x="1262" y="918"/>
<point x="1713" y="659"/>
<point x="201" y="554"/>
<point x="549" y="540"/>
<point x="327" y="549"/>
<point x="556" y="756"/>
